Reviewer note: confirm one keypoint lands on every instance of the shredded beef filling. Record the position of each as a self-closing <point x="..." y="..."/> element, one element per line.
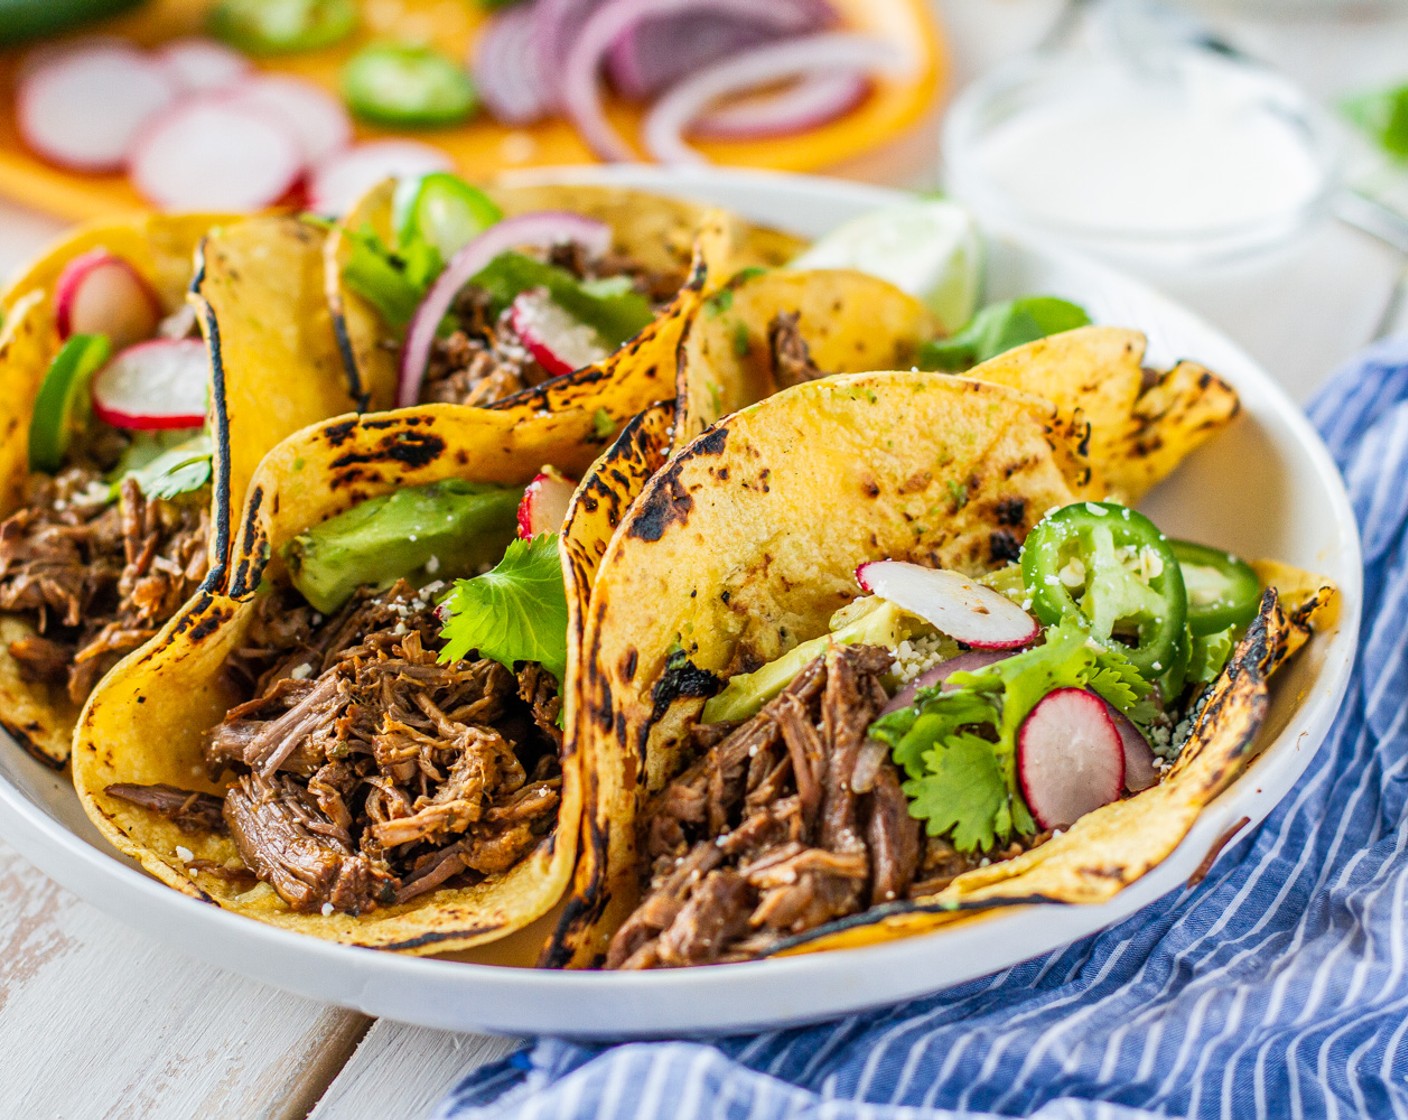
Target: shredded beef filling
<point x="483" y="360"/>
<point x="791" y="356"/>
<point x="763" y="836"/>
<point x="367" y="773"/>
<point x="96" y="580"/>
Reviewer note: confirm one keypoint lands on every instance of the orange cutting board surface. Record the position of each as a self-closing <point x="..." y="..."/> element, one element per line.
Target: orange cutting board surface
<point x="482" y="147"/>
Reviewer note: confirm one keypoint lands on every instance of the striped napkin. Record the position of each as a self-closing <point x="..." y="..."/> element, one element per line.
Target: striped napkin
<point x="1278" y="987"/>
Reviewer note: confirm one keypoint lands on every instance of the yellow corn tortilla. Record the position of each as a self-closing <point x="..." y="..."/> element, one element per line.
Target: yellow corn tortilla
<point x="315" y="474"/>
<point x="274" y="368"/>
<point x="657" y="231"/>
<point x="1143" y="422"/>
<point x="745" y="544"/>
<point x="851" y="322"/>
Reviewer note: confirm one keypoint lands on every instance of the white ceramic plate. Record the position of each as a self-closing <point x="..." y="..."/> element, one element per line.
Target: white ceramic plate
<point x="1266" y="488"/>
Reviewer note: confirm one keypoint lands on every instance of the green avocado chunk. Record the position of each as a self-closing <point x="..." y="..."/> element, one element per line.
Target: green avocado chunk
<point x="440" y="530"/>
<point x="882" y="625"/>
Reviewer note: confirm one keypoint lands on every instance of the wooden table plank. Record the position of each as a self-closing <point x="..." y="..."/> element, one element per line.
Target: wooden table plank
<point x="404" y="1071"/>
<point x="97" y="1022"/>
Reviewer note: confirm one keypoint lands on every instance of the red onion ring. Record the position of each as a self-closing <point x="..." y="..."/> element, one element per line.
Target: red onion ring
<point x="580" y="87"/>
<point x="506" y="64"/>
<point x="660" y="51"/>
<point x="808" y="103"/>
<point x="830" y="53"/>
<point x="872" y="751"/>
<point x="540" y="228"/>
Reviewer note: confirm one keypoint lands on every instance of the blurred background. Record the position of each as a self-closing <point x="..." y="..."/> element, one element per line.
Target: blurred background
<point x="1230" y="151"/>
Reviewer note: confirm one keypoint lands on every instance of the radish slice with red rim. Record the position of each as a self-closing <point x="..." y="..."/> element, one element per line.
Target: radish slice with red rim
<point x="558" y="341"/>
<point x="952" y="603"/>
<point x="199" y="65"/>
<point x="545" y="503"/>
<point x="154" y="385"/>
<point x="99" y="293"/>
<point x="84" y="108"/>
<point x="315" y="116"/>
<point x="1070" y="760"/>
<point x="536" y="229"/>
<point x="827" y="54"/>
<point x="1140" y="771"/>
<point x="213" y="154"/>
<point x="338" y="181"/>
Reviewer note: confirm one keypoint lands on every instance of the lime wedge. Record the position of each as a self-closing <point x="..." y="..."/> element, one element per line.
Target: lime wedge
<point x="928" y="247"/>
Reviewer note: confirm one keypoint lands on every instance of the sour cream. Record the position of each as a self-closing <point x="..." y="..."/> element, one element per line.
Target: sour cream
<point x="1195" y="146"/>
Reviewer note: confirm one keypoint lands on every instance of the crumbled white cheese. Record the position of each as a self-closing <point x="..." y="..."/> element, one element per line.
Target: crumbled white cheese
<point x="184" y="854"/>
<point x="915" y="655"/>
<point x="432" y="565"/>
<point x="985" y="862"/>
<point x="301" y="672"/>
<point x="327" y="909"/>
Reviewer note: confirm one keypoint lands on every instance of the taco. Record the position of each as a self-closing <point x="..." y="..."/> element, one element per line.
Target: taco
<point x="132" y="420"/>
<point x="789" y="753"/>
<point x="542" y="285"/>
<point x="378" y="726"/>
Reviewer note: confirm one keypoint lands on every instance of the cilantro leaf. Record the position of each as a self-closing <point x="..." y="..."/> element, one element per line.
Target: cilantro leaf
<point x="939" y="738"/>
<point x="516" y="612"/>
<point x="163" y="468"/>
<point x="1000" y="327"/>
<point x="963" y="793"/>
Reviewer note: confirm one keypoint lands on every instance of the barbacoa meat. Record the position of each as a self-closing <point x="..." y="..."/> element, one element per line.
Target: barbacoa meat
<point x="366" y="772"/>
<point x="791" y="356"/>
<point x="95" y="579"/>
<point x="763" y="836"/>
<point x="483" y="360"/>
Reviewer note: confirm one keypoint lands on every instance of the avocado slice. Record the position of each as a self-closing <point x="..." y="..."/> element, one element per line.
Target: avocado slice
<point x="439" y="530"/>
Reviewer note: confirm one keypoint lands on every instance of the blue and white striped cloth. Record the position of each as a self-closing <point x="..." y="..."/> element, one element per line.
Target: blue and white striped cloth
<point x="1279" y="987"/>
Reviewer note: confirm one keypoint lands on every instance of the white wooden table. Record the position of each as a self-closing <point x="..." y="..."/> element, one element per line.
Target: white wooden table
<point x="96" y="1022"/>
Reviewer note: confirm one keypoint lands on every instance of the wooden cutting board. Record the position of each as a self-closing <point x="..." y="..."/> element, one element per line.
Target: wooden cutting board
<point x="483" y="147"/>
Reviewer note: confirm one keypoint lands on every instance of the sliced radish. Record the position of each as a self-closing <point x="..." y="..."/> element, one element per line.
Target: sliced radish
<point x="316" y="117"/>
<point x="952" y="603"/>
<point x="340" y="180"/>
<point x="1069" y="757"/>
<point x="545" y="502"/>
<point x="84" y="108"/>
<point x="211" y="154"/>
<point x="537" y="229"/>
<point x="99" y="293"/>
<point x="199" y="65"/>
<point x="156" y="384"/>
<point x="1139" y="769"/>
<point x="558" y="341"/>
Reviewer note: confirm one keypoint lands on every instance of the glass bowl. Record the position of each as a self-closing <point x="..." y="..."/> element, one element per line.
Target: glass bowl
<point x="1169" y="154"/>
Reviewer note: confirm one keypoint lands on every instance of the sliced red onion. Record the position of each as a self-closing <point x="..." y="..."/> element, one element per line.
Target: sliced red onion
<point x="872" y="751"/>
<point x="831" y="53"/>
<point x="557" y="25"/>
<point x="507" y="67"/>
<point x="969" y="662"/>
<point x="1139" y="769"/>
<point x="539" y="229"/>
<point x="809" y="102"/>
<point x="580" y="86"/>
<point x="654" y="55"/>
